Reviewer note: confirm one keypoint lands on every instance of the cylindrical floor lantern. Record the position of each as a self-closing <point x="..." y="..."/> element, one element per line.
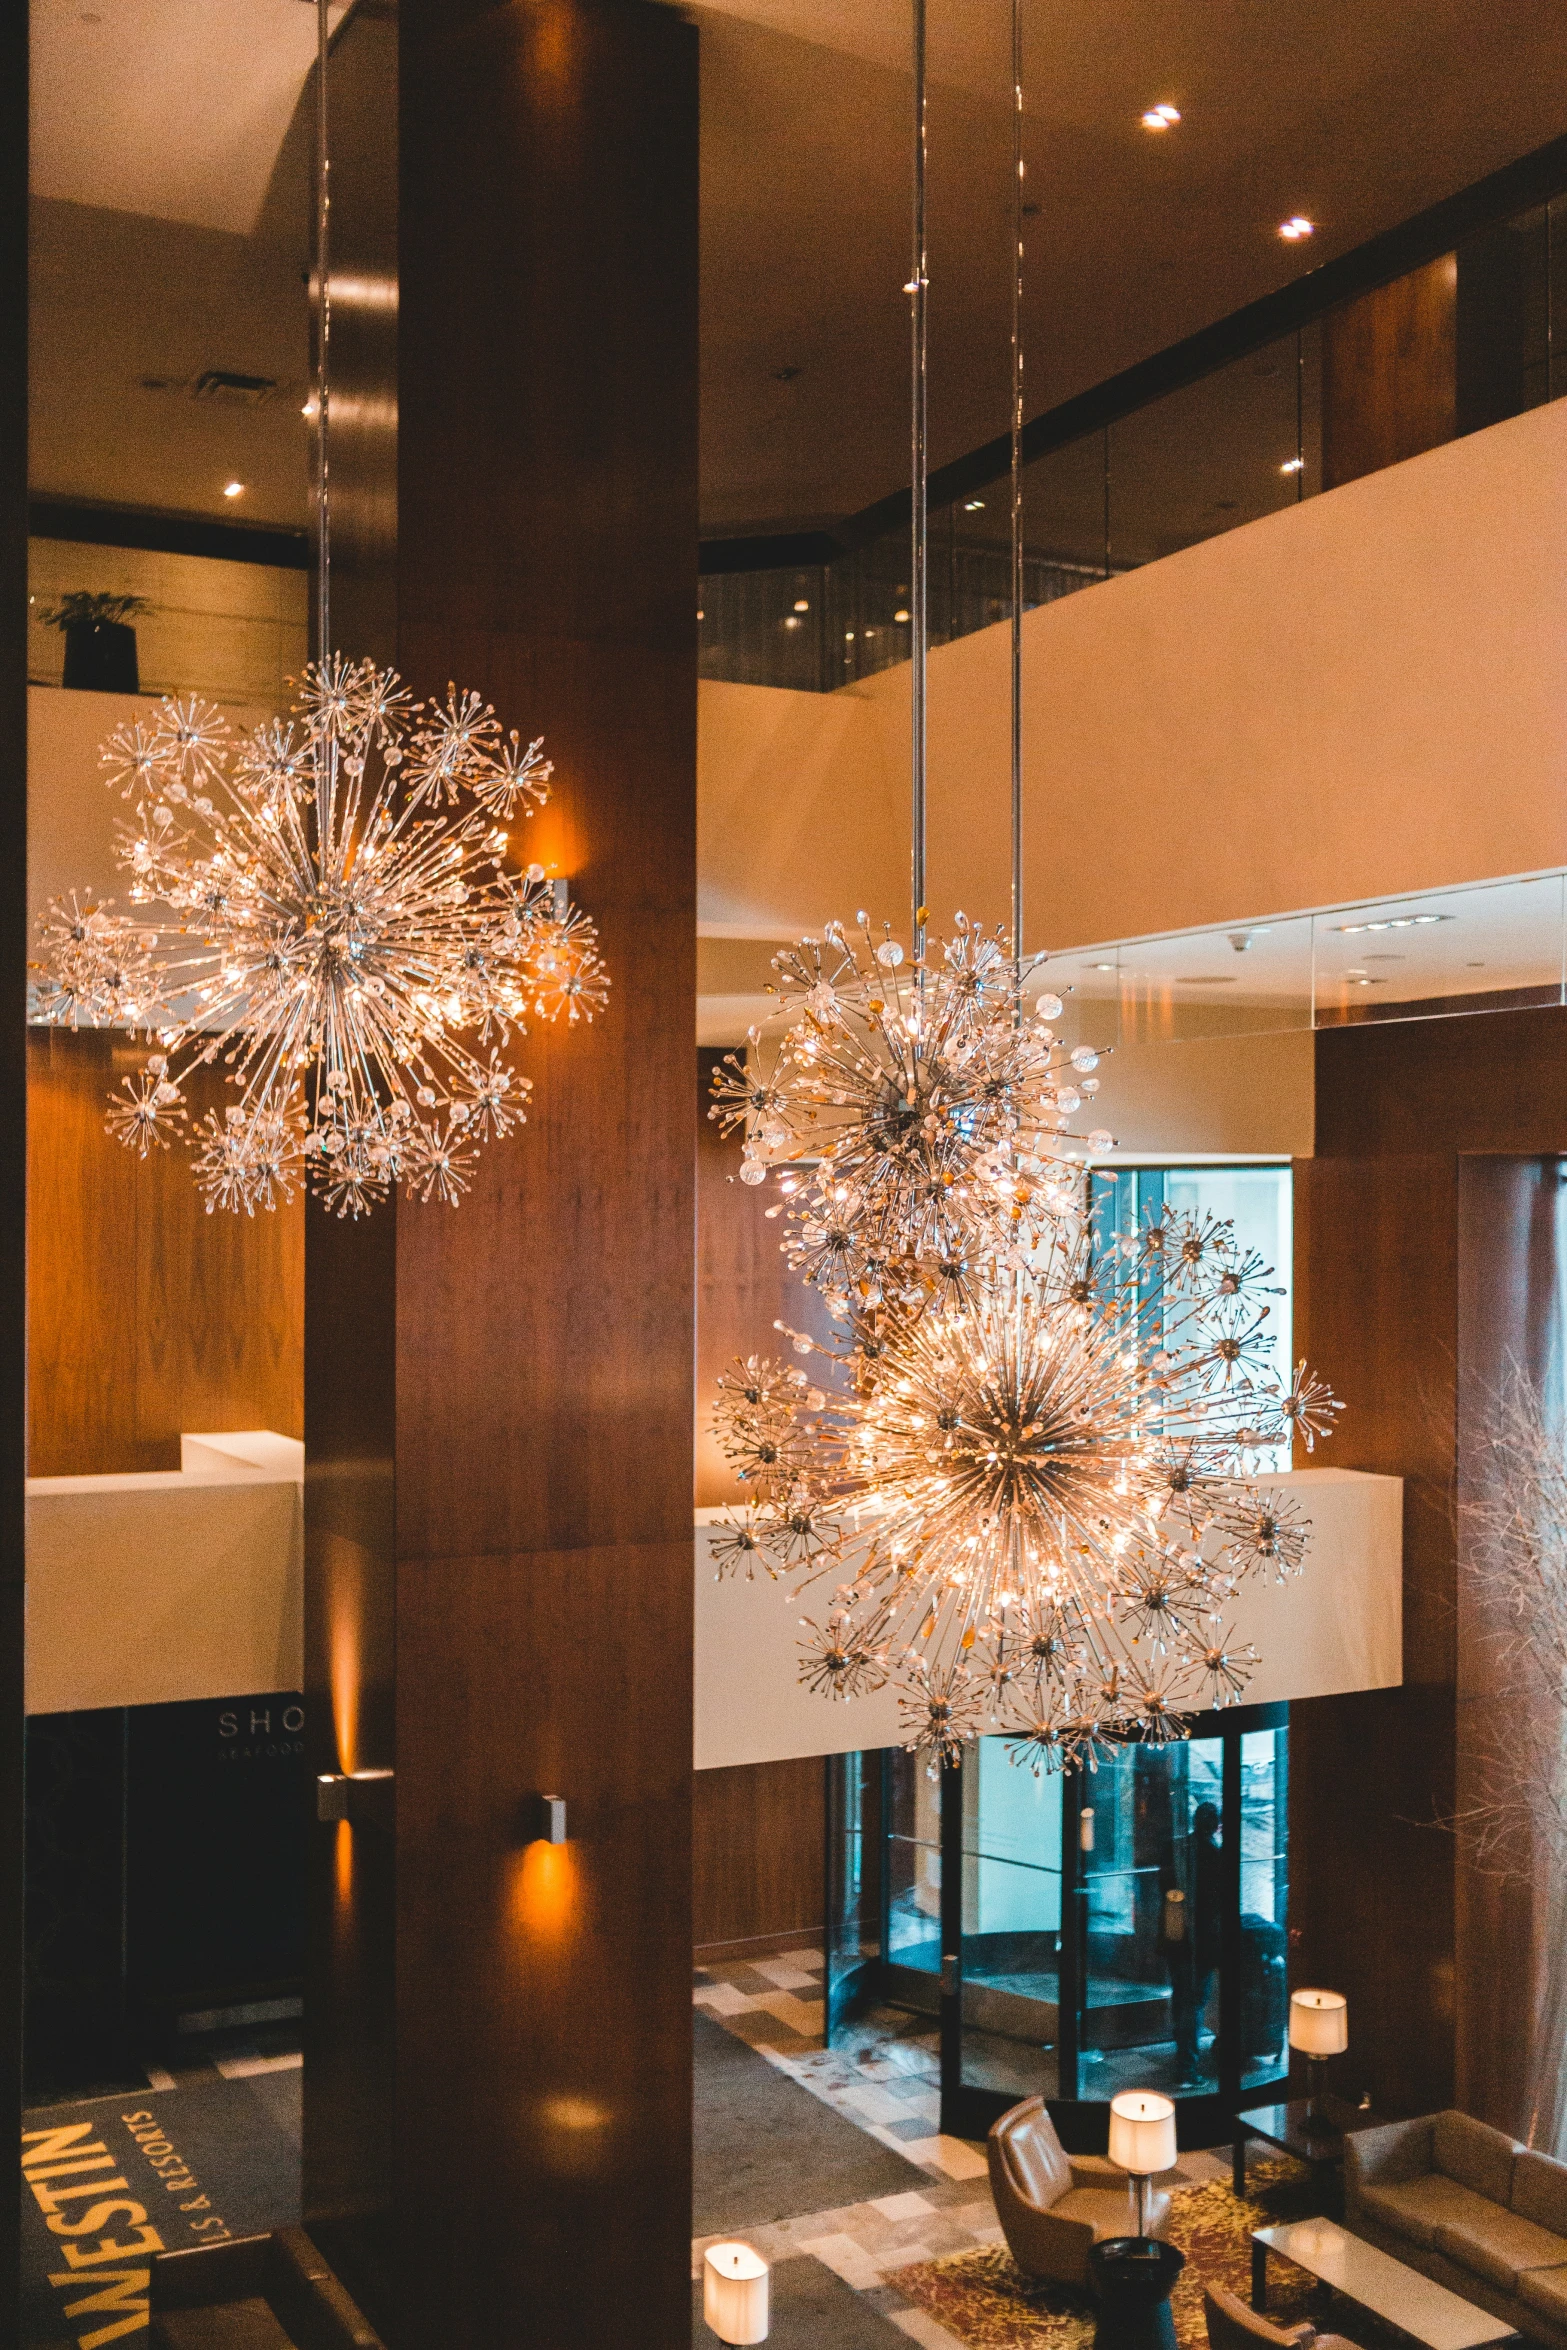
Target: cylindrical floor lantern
<point x="1319" y="2028"/>
<point x="734" y="2293"/>
<point x="1142" y="2140"/>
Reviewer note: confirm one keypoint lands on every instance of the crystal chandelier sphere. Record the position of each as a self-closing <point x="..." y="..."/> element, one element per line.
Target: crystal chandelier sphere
<point x="1034" y="1509"/>
<point x="346" y="940"/>
<point x="915" y="1118"/>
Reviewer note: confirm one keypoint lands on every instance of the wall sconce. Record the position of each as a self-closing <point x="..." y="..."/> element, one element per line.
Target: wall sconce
<point x="549" y="1819"/>
<point x="366" y="1798"/>
<point x="735" y="2284"/>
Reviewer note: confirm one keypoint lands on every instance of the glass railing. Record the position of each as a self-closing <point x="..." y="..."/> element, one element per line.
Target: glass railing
<point x="1244" y="439"/>
<point x="1485" y="946"/>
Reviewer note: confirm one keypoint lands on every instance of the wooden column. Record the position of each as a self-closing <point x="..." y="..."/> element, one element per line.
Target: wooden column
<point x="1389" y="374"/>
<point x="1429" y="1253"/>
<point x="530" y="1353"/>
<point x="13" y="1076"/>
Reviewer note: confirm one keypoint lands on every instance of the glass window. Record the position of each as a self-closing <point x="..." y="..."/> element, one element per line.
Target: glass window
<point x="913" y="1865"/>
<point x="1263" y="1995"/>
<point x="1153" y="1880"/>
<point x="1011" y="1924"/>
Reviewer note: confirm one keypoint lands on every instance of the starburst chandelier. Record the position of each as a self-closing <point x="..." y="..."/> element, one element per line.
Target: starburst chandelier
<point x="342" y="931"/>
<point x="352" y="953"/>
<point x="913" y="1118"/>
<point x="1033" y="1512"/>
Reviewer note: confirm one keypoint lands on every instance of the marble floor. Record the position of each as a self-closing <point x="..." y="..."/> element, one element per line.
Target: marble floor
<point x="884" y="2077"/>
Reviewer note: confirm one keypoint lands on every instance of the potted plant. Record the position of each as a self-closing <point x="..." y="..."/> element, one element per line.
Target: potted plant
<point x="100" y="644"/>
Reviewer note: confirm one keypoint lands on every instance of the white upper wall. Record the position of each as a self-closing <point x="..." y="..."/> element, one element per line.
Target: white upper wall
<point x="1361" y="695"/>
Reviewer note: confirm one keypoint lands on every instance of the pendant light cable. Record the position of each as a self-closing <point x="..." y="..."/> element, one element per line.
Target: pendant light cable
<point x="1017" y="508"/>
<point x="323" y="343"/>
<point x="919" y="520"/>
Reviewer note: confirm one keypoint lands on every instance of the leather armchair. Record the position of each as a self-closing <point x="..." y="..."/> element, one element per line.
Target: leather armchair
<point x="1054" y="2208"/>
<point x="1233" y="2326"/>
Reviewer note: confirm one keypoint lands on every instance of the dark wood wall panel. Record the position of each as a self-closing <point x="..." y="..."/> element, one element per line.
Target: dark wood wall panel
<point x="1371" y="1872"/>
<point x="757" y="1855"/>
<point x="1389" y="373"/>
<point x="1512" y="1314"/>
<point x="1428" y="1253"/>
<point x="146" y="1316"/>
<point x="14" y="27"/>
<point x="542" y="1334"/>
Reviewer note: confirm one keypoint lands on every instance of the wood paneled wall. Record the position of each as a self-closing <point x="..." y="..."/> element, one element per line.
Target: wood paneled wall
<point x="14" y="26"/>
<point x="146" y="1315"/>
<point x="1389" y="374"/>
<point x="539" y="1390"/>
<point x="1428" y="1251"/>
<point x="758" y="1857"/>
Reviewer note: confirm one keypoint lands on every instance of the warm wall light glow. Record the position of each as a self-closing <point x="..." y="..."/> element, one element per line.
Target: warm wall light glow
<point x="343" y="1861"/>
<point x="344" y="1646"/>
<point x="233" y="489"/>
<point x="1296" y="227"/>
<point x="545" y="1890"/>
<point x="1160" y="118"/>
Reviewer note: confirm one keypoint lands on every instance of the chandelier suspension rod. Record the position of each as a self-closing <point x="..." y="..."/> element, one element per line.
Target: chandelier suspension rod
<point x="919" y="519"/>
<point x="323" y="343"/>
<point x="1017" y="508"/>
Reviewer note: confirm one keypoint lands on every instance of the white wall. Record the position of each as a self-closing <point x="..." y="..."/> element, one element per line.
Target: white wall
<point x="1360" y="695"/>
<point x="1337" y="1627"/>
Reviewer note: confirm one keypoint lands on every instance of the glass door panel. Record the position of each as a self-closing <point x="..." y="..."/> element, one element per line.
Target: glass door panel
<point x="853" y="1941"/>
<point x="1011" y="1925"/>
<point x="1263" y="1995"/>
<point x="913" y="1841"/>
<point x="1152" y="1873"/>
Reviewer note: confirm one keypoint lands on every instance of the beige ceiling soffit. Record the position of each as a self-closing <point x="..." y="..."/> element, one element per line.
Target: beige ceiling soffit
<point x="172" y="108"/>
<point x="765" y="935"/>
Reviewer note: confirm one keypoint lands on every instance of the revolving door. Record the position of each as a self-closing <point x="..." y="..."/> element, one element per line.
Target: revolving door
<point x="1075" y="1934"/>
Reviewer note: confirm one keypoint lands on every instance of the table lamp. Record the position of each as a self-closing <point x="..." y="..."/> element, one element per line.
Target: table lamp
<point x="1142" y="2140"/>
<point x="1319" y="2028"/>
<point x="734" y="2293"/>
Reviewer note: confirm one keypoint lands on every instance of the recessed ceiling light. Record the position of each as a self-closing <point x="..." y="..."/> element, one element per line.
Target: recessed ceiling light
<point x="1101" y="966"/>
<point x="233" y="489"/>
<point x="790" y="621"/>
<point x="1296" y="227"/>
<point x="1160" y="118"/>
<point x="900" y="617"/>
<point x="1293" y="465"/>
<point x="1392" y="922"/>
<point x="1209" y="979"/>
<point x="802" y="603"/>
<point x="972" y="505"/>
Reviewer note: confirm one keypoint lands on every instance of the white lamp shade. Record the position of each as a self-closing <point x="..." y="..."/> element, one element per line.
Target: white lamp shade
<point x="735" y="2292"/>
<point x="1142" y="2132"/>
<point x="1319" y="2022"/>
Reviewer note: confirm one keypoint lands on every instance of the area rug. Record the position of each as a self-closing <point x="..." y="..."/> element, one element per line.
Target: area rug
<point x="768" y="2150"/>
<point x="980" y="2297"/>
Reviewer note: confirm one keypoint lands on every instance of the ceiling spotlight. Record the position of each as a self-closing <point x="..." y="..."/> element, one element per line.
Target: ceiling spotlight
<point x="1392" y="922"/>
<point x="972" y="505"/>
<point x="1160" y="118"/>
<point x="1296" y="227"/>
<point x="233" y="489"/>
<point x="900" y="615"/>
<point x="802" y="604"/>
<point x="1293" y="465"/>
<point x="1101" y="966"/>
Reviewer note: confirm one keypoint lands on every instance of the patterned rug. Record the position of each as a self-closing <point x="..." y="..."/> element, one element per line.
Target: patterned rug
<point x="982" y="2298"/>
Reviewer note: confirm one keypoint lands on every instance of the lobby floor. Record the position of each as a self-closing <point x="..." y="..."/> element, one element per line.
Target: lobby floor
<point x="883" y="2079"/>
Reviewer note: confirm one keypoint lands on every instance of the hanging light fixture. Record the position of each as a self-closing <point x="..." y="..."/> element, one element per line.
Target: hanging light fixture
<point x="1030" y="1512"/>
<point x="346" y="934"/>
<point x="912" y="1112"/>
<point x="1033" y="1512"/>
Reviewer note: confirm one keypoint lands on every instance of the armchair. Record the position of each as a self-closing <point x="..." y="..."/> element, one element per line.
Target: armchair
<point x="1232" y="2326"/>
<point x="1054" y="2208"/>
